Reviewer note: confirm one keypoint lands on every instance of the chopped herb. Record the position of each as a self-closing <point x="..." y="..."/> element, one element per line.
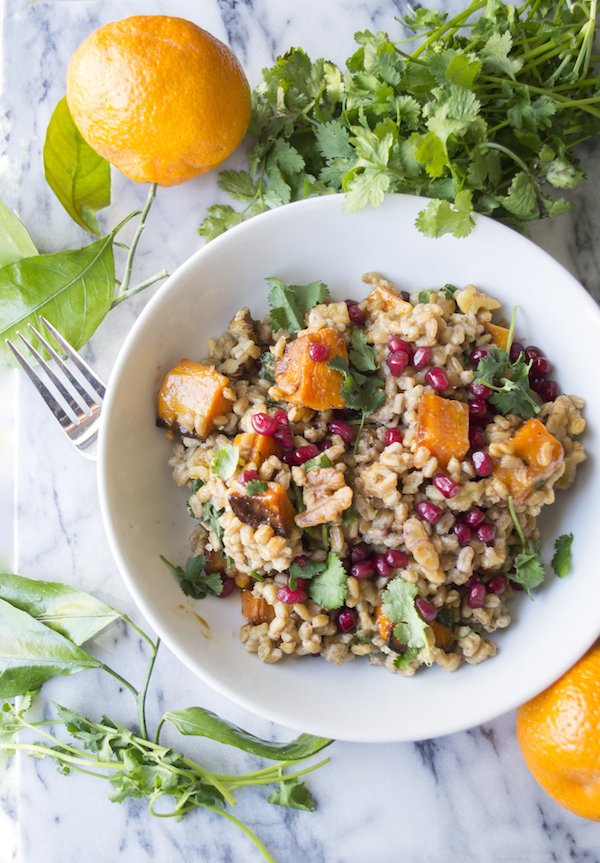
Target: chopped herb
<point x="444" y="617"/>
<point x="293" y="794"/>
<point x="363" y="636"/>
<point x="196" y="485"/>
<point x="194" y="580"/>
<point x="561" y="561"/>
<point x="317" y="462"/>
<point x="225" y="462"/>
<point x="210" y="517"/>
<point x="349" y="515"/>
<point x="308" y="571"/>
<point x="424" y="296"/>
<point x="360" y="392"/>
<point x="289" y="303"/>
<point x="403" y="660"/>
<point x="399" y="606"/>
<point x="529" y="569"/>
<point x="509" y="381"/>
<point x="362" y="355"/>
<point x="448" y="291"/>
<point x="267" y="367"/>
<point x="255" y="486"/>
<point x="329" y="588"/>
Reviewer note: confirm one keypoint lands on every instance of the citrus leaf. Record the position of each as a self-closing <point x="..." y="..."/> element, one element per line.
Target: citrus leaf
<point x="73" y="289"/>
<point x="15" y="242"/>
<point x="78" y="176"/>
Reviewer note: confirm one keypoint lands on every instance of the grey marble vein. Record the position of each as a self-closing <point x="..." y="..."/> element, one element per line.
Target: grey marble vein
<point x="467" y="798"/>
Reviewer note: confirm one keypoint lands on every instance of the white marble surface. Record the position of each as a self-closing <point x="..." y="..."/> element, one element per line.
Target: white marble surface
<point x="463" y="798"/>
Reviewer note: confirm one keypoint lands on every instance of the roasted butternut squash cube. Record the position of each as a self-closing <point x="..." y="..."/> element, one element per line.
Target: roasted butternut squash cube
<point x="385" y="298"/>
<point x="499" y="335"/>
<point x="190" y="398"/>
<point x="256" y="448"/>
<point x="443" y="635"/>
<point x="541" y="454"/>
<point x="307" y="382"/>
<point x="272" y="507"/>
<point x="256" y="609"/>
<point x="443" y="427"/>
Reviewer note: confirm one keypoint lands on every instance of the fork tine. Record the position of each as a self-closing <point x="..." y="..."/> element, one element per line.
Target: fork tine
<point x="66" y="395"/>
<point x="78" y="361"/>
<point x="81" y="391"/>
<point x="41" y="387"/>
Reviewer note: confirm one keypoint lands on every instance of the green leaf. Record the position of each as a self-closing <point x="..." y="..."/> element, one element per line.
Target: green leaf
<point x="293" y="794"/>
<point x="77" y="175"/>
<point x="329" y="588"/>
<point x="31" y="653"/>
<point x="219" y="218"/>
<point x="561" y="560"/>
<point x="455" y="114"/>
<point x="289" y="303"/>
<point x="238" y="184"/>
<point x="72" y="613"/>
<point x="510" y="382"/>
<point x="403" y="660"/>
<point x="317" y="462"/>
<point x="198" y="722"/>
<point x="210" y="516"/>
<point x="267" y="367"/>
<point x="563" y="174"/>
<point x="440" y="217"/>
<point x="398" y="604"/>
<point x="15" y="242"/>
<point x="225" y="461"/>
<point x="73" y="289"/>
<point x="529" y="569"/>
<point x="359" y="392"/>
<point x="306" y="572"/>
<point x="495" y="55"/>
<point x="362" y="355"/>
<point x="193" y="579"/>
<point x="521" y="200"/>
<point x="430" y="152"/>
<point x="255" y="486"/>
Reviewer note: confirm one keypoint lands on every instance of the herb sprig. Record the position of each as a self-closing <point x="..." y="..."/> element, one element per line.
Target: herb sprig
<point x="193" y="578"/>
<point x="483" y="115"/>
<point x="528" y="566"/>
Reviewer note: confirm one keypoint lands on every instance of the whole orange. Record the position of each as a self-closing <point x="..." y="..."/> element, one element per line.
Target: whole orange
<point x="158" y="97"/>
<point x="559" y="735"/>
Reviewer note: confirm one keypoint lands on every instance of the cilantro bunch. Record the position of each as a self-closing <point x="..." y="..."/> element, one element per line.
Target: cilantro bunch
<point x="484" y="114"/>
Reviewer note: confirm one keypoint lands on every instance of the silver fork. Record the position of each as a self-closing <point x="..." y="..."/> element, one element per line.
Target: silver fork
<point x="78" y="408"/>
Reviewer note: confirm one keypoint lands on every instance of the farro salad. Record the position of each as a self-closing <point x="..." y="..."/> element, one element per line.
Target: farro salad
<point x="367" y="475"/>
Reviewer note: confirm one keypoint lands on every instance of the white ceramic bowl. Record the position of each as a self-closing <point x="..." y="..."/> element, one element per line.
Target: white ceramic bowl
<point x="145" y="513"/>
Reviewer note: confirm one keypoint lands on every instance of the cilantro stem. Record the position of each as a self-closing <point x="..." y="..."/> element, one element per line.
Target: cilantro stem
<point x="277" y="775"/>
<point x="211" y="779"/>
<point x="511" y="331"/>
<point x="118" y="677"/>
<point x="44" y="752"/>
<point x="245" y="830"/>
<point x="141" y="696"/>
<point x="136" y="238"/>
<point x="516" y="522"/>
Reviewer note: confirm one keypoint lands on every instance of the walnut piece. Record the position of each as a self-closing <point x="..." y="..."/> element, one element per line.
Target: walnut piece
<point x="325" y="495"/>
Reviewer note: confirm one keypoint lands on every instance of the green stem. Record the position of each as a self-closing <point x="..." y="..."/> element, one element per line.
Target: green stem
<point x="121" y="680"/>
<point x="141" y="696"/>
<point x="44" y="752"/>
<point x="245" y="830"/>
<point x="136" y="238"/>
<point x="511" y="331"/>
<point x="516" y="522"/>
<point x="125" y="295"/>
<point x="278" y="775"/>
<point x="210" y="778"/>
<point x="453" y="24"/>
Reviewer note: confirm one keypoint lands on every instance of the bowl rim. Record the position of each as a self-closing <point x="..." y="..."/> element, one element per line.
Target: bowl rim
<point x="320" y="726"/>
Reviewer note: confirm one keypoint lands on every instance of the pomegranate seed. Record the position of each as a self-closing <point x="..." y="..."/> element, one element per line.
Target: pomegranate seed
<point x="300" y="560"/>
<point x="351" y="303"/>
<point x="288" y="457"/>
<point x="382" y="567"/>
<point x="359" y="552"/>
<point x="356" y="315"/>
<point x="497" y="583"/>
<point x="480" y="391"/>
<point x="228" y="586"/>
<point x="446" y="485"/>
<point x="421" y="358"/>
<point x="486" y="532"/>
<point x="393" y="436"/>
<point x="347" y="564"/>
<point x="305" y="453"/>
<point x="531" y="352"/>
<point x="345" y="430"/>
<point x="437" y="378"/>
<point x="301" y="583"/>
<point x="426" y="609"/>
<point x="482" y="421"/>
<point x="281" y="418"/>
<point x="540" y="367"/>
<point x="284" y="436"/>
<point x="346" y="620"/>
<point x="397" y="362"/>
<point x="291" y="597"/>
<point x="482" y="462"/>
<point x="397" y="344"/>
<point x="473" y="579"/>
<point x="263" y="424"/>
<point x="477" y="410"/>
<point x="463" y="533"/>
<point x="548" y="391"/>
<point x="247" y="476"/>
<point x="516" y="586"/>
<point x="429" y="511"/>
<point x="478" y="354"/>
<point x="474" y="516"/>
<point x="476" y="437"/>
<point x="318" y="352"/>
<point x="396" y="559"/>
<point x="516" y="349"/>
<point x="476" y="595"/>
<point x="363" y="569"/>
<point x="405" y="296"/>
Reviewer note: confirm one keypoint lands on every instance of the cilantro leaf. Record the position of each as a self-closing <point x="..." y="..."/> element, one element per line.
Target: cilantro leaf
<point x="440" y="217"/>
<point x="289" y="303"/>
<point x="362" y="355"/>
<point x="399" y="606"/>
<point x="510" y="382"/>
<point x="293" y="794"/>
<point x="403" y="660"/>
<point x="210" y="516"/>
<point x="329" y="588"/>
<point x="196" y="485"/>
<point x="225" y="461"/>
<point x="193" y="579"/>
<point x="561" y="561"/>
<point x="255" y="486"/>
<point x="529" y="569"/>
<point x="308" y="571"/>
<point x="317" y="462"/>
<point x="360" y="392"/>
<point x="219" y="218"/>
<point x="267" y="367"/>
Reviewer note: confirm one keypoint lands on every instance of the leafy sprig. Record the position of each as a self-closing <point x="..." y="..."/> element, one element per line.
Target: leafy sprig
<point x="289" y="303"/>
<point x="528" y="567"/>
<point x="398" y="604"/>
<point x="193" y="578"/>
<point x="562" y="558"/>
